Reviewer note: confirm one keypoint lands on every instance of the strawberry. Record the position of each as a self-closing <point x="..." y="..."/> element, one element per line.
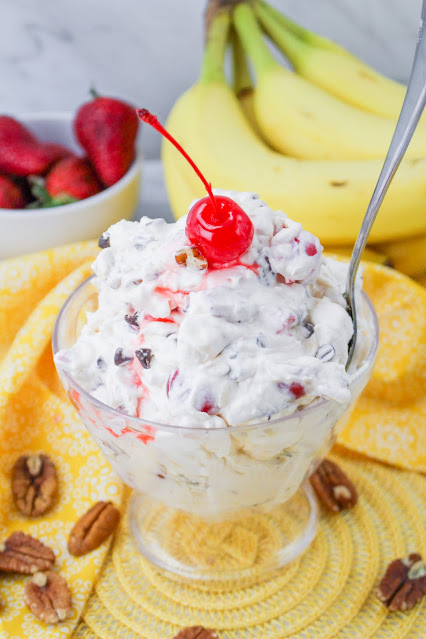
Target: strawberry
<point x="73" y="178"/>
<point x="58" y="151"/>
<point x="106" y="128"/>
<point x="20" y="151"/>
<point x="11" y="196"/>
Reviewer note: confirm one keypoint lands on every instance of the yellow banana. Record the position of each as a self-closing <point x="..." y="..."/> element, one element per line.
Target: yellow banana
<point x="407" y="256"/>
<point x="328" y="198"/>
<point x="243" y="84"/>
<point x="368" y="254"/>
<point x="304" y="121"/>
<point x="331" y="67"/>
<point x="180" y="193"/>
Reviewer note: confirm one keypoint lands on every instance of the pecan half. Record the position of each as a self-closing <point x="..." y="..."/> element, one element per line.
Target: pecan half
<point x="333" y="487"/>
<point x="191" y="257"/>
<point x="196" y="632"/>
<point x="48" y="597"/>
<point x="93" y="528"/>
<point x="404" y="583"/>
<point x="25" y="554"/>
<point x="34" y="484"/>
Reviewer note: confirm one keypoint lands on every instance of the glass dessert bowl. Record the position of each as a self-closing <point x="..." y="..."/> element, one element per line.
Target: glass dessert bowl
<point x="219" y="504"/>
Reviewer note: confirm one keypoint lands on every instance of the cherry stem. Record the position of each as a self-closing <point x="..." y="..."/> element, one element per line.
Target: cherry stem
<point x="152" y="120"/>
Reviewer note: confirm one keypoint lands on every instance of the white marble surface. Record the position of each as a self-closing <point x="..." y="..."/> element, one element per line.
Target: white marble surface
<point x="148" y="51"/>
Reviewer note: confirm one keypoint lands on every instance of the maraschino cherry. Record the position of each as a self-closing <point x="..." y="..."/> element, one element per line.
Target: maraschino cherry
<point x="216" y="224"/>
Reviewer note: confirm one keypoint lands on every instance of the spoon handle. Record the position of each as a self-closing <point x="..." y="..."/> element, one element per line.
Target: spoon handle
<point x="414" y="103"/>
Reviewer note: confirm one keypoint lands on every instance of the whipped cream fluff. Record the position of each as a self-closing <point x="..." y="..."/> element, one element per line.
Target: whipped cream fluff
<point x="241" y="344"/>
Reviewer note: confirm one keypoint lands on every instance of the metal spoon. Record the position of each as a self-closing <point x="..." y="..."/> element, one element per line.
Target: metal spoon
<point x="414" y="103"/>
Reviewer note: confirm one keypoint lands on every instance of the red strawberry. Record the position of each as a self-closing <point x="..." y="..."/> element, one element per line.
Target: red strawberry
<point x="58" y="151"/>
<point x="72" y="178"/>
<point x="20" y="151"/>
<point x="11" y="196"/>
<point x="106" y="128"/>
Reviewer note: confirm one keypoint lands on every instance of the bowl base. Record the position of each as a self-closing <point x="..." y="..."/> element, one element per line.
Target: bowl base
<point x="246" y="547"/>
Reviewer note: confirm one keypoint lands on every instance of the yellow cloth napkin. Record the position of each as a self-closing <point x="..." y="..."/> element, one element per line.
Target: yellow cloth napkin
<point x="35" y="415"/>
<point x="388" y="422"/>
<point x="389" y="419"/>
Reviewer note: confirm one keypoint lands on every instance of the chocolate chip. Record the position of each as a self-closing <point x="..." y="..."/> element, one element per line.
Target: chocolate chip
<point x="260" y="340"/>
<point x="101" y="363"/>
<point x="103" y="241"/>
<point x="145" y="356"/>
<point x="325" y="353"/>
<point x="120" y="359"/>
<point x="309" y="327"/>
<point x="267" y="275"/>
<point x="132" y="319"/>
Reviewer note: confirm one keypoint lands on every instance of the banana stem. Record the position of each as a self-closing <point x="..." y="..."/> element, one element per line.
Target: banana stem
<point x="304" y="35"/>
<point x="212" y="69"/>
<point x="251" y="36"/>
<point x="242" y="77"/>
<point x="291" y="45"/>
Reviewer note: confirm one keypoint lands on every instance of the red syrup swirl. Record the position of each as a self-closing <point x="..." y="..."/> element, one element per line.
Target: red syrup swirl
<point x="164" y="320"/>
<point x="216" y="225"/>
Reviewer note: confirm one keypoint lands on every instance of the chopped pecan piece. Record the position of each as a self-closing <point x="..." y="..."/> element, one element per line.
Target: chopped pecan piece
<point x="196" y="632"/>
<point x="191" y="257"/>
<point x="25" y="554"/>
<point x="34" y="484"/>
<point x="93" y="528"/>
<point x="404" y="583"/>
<point x="48" y="597"/>
<point x="333" y="487"/>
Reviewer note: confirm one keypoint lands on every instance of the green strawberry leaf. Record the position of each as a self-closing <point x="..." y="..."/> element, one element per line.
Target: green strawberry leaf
<point x="43" y="199"/>
<point x="60" y="200"/>
<point x="38" y="189"/>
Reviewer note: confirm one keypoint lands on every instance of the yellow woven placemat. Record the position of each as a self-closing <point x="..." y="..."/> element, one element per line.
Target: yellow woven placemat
<point x="328" y="592"/>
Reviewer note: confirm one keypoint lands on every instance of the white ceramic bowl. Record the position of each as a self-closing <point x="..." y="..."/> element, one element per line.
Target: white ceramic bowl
<point x="29" y="230"/>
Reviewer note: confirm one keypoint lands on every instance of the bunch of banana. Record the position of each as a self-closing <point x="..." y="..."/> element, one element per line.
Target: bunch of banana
<point x="330" y="67"/>
<point x="305" y="143"/>
<point x="301" y="119"/>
